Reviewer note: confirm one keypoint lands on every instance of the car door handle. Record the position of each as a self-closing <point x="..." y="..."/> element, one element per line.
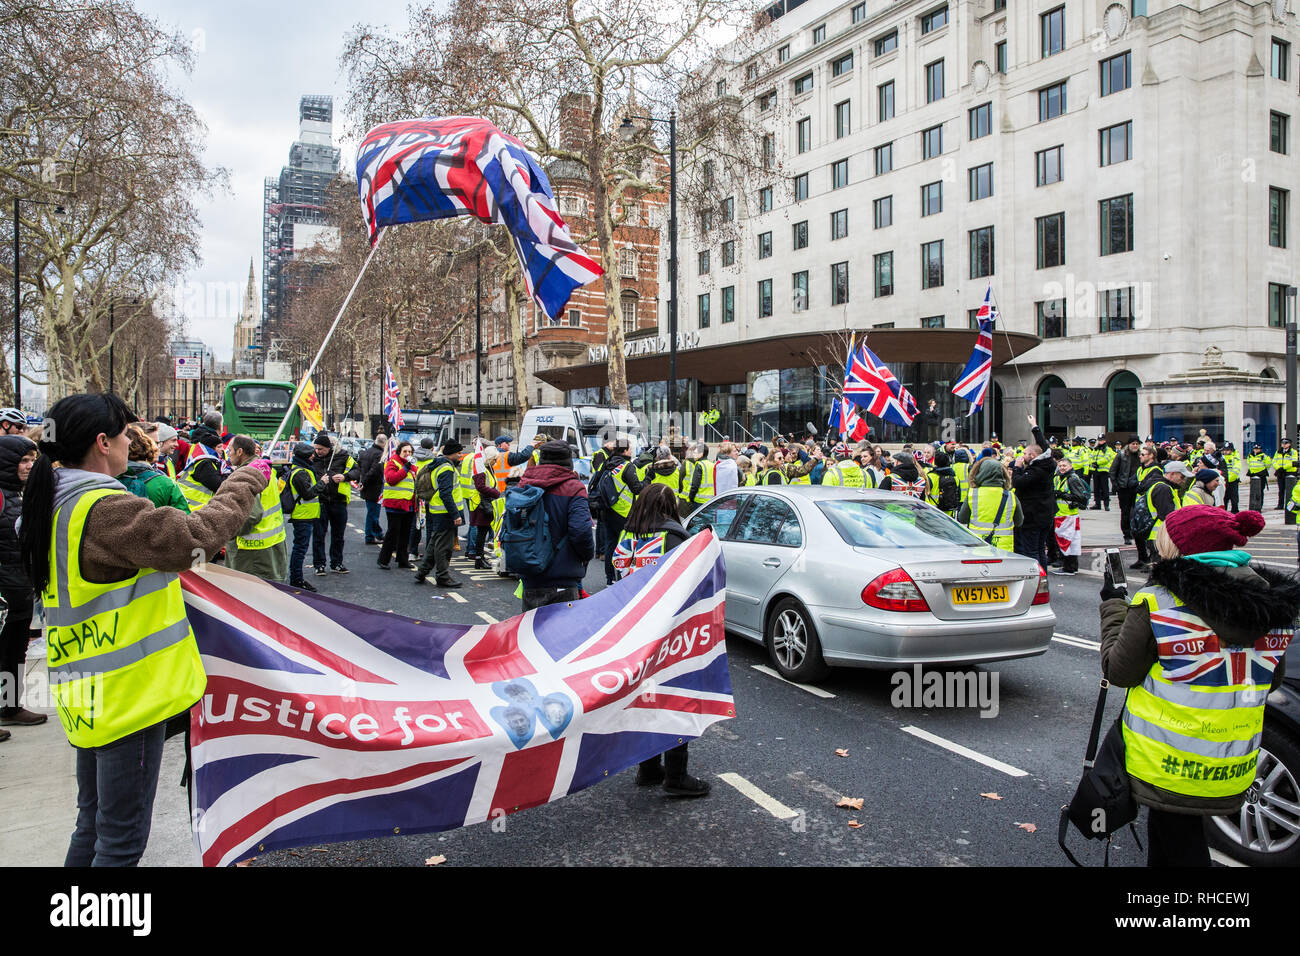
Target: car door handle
<point x="772" y="563"/>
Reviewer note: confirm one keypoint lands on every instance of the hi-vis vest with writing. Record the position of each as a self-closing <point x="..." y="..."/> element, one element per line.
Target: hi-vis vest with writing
<point x="194" y="493"/>
<point x="846" y="474"/>
<point x="269" y="529"/>
<point x="993" y="515"/>
<point x="121" y="656"/>
<point x="632" y="552"/>
<point x="1193" y="727"/>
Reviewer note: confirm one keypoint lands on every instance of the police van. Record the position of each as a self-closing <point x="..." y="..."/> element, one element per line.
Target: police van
<point x="585" y="427"/>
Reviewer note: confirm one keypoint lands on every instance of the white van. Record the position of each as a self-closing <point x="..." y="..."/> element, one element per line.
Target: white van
<point x="584" y="427"/>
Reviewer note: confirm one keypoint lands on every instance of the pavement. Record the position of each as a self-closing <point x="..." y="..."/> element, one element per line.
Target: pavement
<point x="925" y="774"/>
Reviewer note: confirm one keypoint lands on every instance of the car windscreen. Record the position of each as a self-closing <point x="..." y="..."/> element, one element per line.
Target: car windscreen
<point x="261" y="398"/>
<point x="894" y="524"/>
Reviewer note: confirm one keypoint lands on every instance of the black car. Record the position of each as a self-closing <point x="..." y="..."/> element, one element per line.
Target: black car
<point x="1266" y="832"/>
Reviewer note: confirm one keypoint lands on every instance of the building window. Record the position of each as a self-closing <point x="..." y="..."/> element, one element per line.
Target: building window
<point x="765" y="199"/>
<point x="1117" y="143"/>
<point x="931" y="199"/>
<point x="1049" y="163"/>
<point x="884" y="156"/>
<point x="703" y="309"/>
<point x="1000" y="57"/>
<point x="981" y="181"/>
<point x="801" y="187"/>
<point x="886" y="44"/>
<point x="799" y="288"/>
<point x="932" y="321"/>
<point x="1116" y="73"/>
<point x="764" y="245"/>
<point x="1051" y="319"/>
<point x="1051" y="101"/>
<point x="721" y="88"/>
<point x="707" y="170"/>
<point x="842" y="64"/>
<point x="819" y="34"/>
<point x="859" y="12"/>
<point x="628" y="304"/>
<point x="934" y="81"/>
<point x="839" y="283"/>
<point x="799" y="234"/>
<point x="981" y="121"/>
<point x="769" y="150"/>
<point x="766" y="101"/>
<point x="932" y="142"/>
<point x="1051" y="240"/>
<point x="1277" y="211"/>
<point x="1278" y="128"/>
<point x="803" y="84"/>
<point x="884" y="271"/>
<point x="1281" y="59"/>
<point x="764" y="298"/>
<point x="885" y="101"/>
<point x="883" y="212"/>
<point x="934" y="20"/>
<point x="803" y="135"/>
<point x="843" y="119"/>
<point x="1115" y="310"/>
<point x="729" y="209"/>
<point x="839" y="224"/>
<point x="783" y="54"/>
<point x="981" y="252"/>
<point x="627" y="262"/>
<point x="729" y="253"/>
<point x="706" y="220"/>
<point x="839" y="173"/>
<point x="728" y="304"/>
<point x="575" y="319"/>
<point x="932" y="264"/>
<point x="1117" y="225"/>
<point x="972" y="318"/>
<point x="751" y="72"/>
<point x="704" y="262"/>
<point x="1276" y="305"/>
<point x="1053" y="30"/>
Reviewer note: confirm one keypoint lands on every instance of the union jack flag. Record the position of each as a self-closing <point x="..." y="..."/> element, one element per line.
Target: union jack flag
<point x="1191" y="653"/>
<point x="845" y="419"/>
<point x="392" y="404"/>
<point x="631" y="554"/>
<point x="439" y="167"/>
<point x="873" y="386"/>
<point x="323" y="721"/>
<point x="973" y="382"/>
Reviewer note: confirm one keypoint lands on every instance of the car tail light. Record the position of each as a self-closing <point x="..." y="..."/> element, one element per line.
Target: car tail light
<point x="1044" y="593"/>
<point x="894" y="591"/>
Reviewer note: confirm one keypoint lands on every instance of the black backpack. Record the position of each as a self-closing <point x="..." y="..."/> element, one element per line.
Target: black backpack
<point x="949" y="493"/>
<point x="601" y="492"/>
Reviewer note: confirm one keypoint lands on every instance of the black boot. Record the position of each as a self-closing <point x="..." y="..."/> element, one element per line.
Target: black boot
<point x="677" y="782"/>
<point x="650" y="773"/>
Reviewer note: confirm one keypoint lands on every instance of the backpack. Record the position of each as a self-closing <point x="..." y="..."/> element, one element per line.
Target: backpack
<point x="424" y="487"/>
<point x="1079" y="492"/>
<point x="949" y="493"/>
<point x="138" y="483"/>
<point x="602" y="492"/>
<point x="1141" y="521"/>
<point x="526" y="531"/>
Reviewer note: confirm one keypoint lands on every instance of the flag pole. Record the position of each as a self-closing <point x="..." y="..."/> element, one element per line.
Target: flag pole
<point x="328" y="335"/>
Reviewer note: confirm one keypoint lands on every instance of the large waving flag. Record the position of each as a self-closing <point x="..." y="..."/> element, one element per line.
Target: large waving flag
<point x="309" y="405"/>
<point x="846" y="420"/>
<point x="973" y="382"/>
<point x="439" y="167"/>
<point x="873" y="386"/>
<point x="323" y="721"/>
<point x="392" y="404"/>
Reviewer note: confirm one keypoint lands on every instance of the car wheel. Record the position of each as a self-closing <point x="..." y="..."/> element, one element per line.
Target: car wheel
<point x="792" y="643"/>
<point x="1266" y="831"/>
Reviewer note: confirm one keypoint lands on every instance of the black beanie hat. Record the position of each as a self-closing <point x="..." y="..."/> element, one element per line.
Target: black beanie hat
<point x="555" y="453"/>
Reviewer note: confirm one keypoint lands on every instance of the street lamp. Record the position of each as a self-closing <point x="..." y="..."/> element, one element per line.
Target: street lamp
<point x="478" y="335"/>
<point x="627" y="131"/>
<point x="18" y="373"/>
<point x="1291" y="431"/>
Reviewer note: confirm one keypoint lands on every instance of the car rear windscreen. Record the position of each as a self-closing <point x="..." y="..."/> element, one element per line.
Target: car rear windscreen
<point x="261" y="399"/>
<point x="894" y="524"/>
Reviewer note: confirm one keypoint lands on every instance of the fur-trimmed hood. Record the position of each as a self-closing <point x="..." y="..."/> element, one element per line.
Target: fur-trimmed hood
<point x="1240" y="604"/>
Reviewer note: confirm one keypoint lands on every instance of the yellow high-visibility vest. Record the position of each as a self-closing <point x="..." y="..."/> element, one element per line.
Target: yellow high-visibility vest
<point x="269" y="530"/>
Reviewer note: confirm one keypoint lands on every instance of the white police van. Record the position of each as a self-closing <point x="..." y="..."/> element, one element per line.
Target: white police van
<point x="585" y="427"/>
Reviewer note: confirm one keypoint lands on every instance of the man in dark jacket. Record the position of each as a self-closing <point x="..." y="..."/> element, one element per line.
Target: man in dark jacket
<point x="443" y="516"/>
<point x="565" y="500"/>
<point x="611" y="522"/>
<point x="370" y="469"/>
<point x="207" y="458"/>
<point x="299" y="502"/>
<point x="1031" y="479"/>
<point x="17" y="453"/>
<point x="1124" y="479"/>
<point x="336" y="469"/>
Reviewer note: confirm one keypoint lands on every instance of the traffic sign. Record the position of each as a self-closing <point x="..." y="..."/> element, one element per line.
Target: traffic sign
<point x="189" y="368"/>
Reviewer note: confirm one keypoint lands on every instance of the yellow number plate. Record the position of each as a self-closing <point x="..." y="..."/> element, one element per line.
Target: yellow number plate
<point x="980" y="594"/>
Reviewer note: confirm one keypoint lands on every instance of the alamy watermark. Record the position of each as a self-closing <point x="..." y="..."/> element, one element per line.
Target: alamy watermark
<point x="935" y="689"/>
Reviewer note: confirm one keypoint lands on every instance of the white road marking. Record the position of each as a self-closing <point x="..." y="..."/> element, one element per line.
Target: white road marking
<point x="816" y="691"/>
<point x="455" y="596"/>
<point x="487" y="617"/>
<point x="770" y="804"/>
<point x="1224" y="859"/>
<point x="966" y="752"/>
<point x="1073" y="641"/>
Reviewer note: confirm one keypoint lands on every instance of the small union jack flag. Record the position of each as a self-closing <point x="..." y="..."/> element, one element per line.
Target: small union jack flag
<point x="637" y="553"/>
<point x="871" y="385"/>
<point x="392" y="405"/>
<point x="973" y="382"/>
<point x="1190" y="652"/>
<point x="846" y="420"/>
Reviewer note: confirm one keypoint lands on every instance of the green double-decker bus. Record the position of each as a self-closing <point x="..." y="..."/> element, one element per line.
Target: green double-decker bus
<point x="256" y="407"/>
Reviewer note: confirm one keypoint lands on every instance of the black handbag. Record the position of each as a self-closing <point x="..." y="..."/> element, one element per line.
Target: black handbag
<point x="1103" y="802"/>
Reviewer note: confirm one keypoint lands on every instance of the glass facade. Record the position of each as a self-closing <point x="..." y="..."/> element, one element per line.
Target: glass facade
<point x="1263" y="425"/>
<point x="1183" y="421"/>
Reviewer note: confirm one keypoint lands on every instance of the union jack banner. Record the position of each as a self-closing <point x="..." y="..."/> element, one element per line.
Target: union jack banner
<point x="633" y="553"/>
<point x="324" y="722"/>
<point x="1190" y="652"/>
<point x="392" y="404"/>
<point x="973" y="382"/>
<point x="873" y="386"/>
<point x="846" y="420"/>
<point x="439" y="167"/>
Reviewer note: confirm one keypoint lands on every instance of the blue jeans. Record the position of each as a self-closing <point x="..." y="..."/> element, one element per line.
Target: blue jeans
<point x="302" y="530"/>
<point x="373" y="531"/>
<point x="477" y="539"/>
<point x="116" y="784"/>
<point x="1032" y="543"/>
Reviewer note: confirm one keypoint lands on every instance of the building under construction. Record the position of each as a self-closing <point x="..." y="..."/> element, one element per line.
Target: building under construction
<point x="293" y="207"/>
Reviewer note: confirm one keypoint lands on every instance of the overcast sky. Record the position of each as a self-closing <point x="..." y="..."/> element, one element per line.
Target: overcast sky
<point x="253" y="62"/>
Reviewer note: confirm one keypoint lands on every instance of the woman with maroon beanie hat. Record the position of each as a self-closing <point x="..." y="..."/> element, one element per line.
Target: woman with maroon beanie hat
<point x="1194" y="714"/>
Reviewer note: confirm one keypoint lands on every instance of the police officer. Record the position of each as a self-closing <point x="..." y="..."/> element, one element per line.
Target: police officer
<point x="1257" y="466"/>
<point x="1284" y="470"/>
<point x="1232" y="477"/>
<point x="1103" y="456"/>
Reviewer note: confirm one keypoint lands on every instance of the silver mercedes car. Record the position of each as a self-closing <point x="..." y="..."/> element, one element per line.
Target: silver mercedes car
<point x="847" y="577"/>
